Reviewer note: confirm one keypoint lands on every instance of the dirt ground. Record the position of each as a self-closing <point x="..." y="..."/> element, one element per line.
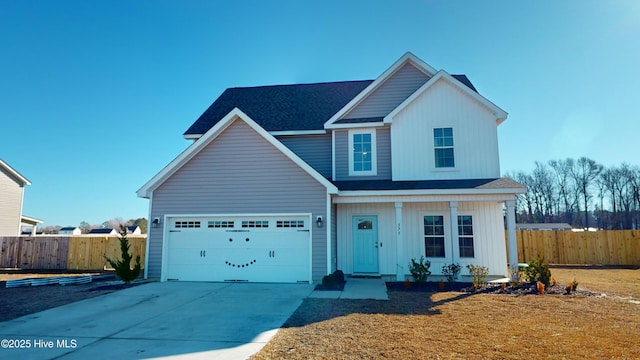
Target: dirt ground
<point x="20" y="301"/>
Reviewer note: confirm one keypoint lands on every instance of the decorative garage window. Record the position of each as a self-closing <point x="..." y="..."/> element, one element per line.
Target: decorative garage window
<point x="255" y="224"/>
<point x="218" y="224"/>
<point x="443" y="144"/>
<point x="434" y="236"/>
<point x="290" y="223"/>
<point x="187" y="224"/>
<point x="465" y="236"/>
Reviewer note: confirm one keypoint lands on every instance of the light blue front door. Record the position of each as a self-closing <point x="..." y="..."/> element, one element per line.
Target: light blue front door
<point x="365" y="244"/>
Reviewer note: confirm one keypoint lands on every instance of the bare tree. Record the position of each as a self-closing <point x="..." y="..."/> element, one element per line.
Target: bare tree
<point x="584" y="174"/>
<point x="565" y="186"/>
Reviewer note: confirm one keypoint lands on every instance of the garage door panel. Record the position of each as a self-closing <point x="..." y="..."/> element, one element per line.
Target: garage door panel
<point x="278" y="250"/>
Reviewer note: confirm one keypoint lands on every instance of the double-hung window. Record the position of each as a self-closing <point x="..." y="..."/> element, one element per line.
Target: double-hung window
<point x="443" y="145"/>
<point x="362" y="155"/>
<point x="465" y="236"/>
<point x="434" y="236"/>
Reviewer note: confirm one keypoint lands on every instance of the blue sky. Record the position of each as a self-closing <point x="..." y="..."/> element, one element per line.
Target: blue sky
<point x="95" y="95"/>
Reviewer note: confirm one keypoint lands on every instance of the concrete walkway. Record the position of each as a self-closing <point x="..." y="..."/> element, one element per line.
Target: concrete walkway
<point x="357" y="288"/>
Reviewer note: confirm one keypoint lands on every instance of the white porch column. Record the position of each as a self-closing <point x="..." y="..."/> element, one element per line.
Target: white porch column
<point x="453" y="216"/>
<point x="400" y="270"/>
<point x="511" y="235"/>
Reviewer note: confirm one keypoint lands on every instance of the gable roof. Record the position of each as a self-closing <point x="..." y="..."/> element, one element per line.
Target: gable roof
<point x="234" y="115"/>
<point x="281" y="107"/>
<point x="500" y="114"/>
<point x="16" y="175"/>
<point x="407" y="58"/>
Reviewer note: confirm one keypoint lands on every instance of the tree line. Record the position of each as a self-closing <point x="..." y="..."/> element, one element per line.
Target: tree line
<point x="580" y="192"/>
<point x="110" y="224"/>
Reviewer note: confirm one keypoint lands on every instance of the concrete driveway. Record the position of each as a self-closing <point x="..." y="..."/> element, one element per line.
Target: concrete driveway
<point x="171" y="319"/>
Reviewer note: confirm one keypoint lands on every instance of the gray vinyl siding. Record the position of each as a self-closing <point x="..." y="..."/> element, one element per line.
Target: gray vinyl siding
<point x="315" y="150"/>
<point x="10" y="204"/>
<point x="390" y="94"/>
<point x="383" y="148"/>
<point x="239" y="172"/>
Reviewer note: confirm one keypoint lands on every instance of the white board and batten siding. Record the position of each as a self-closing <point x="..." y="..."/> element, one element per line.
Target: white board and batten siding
<point x="488" y="235"/>
<point x="487" y="226"/>
<point x="390" y="94"/>
<point x="239" y="173"/>
<point x="385" y="213"/>
<point x="443" y="105"/>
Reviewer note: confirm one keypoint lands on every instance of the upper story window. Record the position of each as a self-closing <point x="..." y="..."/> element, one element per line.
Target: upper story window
<point x="362" y="156"/>
<point x="443" y="145"/>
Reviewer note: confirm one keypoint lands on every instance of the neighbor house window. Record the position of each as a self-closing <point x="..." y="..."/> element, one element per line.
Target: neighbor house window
<point x="465" y="236"/>
<point x="434" y="236"/>
<point x="362" y="154"/>
<point x="443" y="144"/>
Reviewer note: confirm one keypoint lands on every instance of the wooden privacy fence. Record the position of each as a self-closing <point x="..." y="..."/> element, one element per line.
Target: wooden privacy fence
<point x="65" y="252"/>
<point x="607" y="247"/>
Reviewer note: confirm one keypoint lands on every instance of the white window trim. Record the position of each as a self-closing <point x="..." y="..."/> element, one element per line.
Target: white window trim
<point x="433" y="147"/>
<point x="374" y="155"/>
<point x="448" y="256"/>
<point x="475" y="238"/>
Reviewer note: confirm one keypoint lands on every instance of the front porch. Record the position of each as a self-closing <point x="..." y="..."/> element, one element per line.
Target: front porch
<point x="379" y="235"/>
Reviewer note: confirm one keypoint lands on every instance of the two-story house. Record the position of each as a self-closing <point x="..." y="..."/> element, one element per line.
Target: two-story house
<point x="12" y="185"/>
<point x="288" y="183"/>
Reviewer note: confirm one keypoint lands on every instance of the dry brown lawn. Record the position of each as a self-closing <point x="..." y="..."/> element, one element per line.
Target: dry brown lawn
<point x="451" y="325"/>
<point x="621" y="282"/>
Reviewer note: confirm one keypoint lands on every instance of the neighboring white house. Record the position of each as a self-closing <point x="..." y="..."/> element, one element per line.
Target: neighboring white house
<point x="70" y="230"/>
<point x="12" y="185"/>
<point x="134" y="230"/>
<point x="288" y="183"/>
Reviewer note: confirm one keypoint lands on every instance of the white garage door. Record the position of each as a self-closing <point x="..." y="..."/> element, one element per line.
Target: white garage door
<point x="239" y="248"/>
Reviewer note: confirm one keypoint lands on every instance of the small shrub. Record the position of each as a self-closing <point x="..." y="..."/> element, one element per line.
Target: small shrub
<point x="479" y="274"/>
<point x="538" y="270"/>
<point x="516" y="277"/>
<point x="334" y="280"/>
<point x="123" y="268"/>
<point x="571" y="287"/>
<point x="451" y="271"/>
<point x="540" y="287"/>
<point x="420" y="269"/>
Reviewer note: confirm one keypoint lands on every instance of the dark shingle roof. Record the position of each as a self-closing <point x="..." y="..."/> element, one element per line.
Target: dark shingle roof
<point x="489" y="184"/>
<point x="289" y="107"/>
<point x="465" y="80"/>
<point x="282" y="107"/>
<point x="100" y="231"/>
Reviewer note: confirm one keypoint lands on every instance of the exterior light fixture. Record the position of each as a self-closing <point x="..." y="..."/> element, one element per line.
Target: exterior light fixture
<point x="155" y="222"/>
<point x="319" y="221"/>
